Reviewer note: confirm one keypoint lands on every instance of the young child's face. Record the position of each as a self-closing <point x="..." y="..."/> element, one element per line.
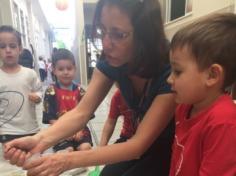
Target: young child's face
<point x="187" y="81"/>
<point x="64" y="71"/>
<point x="9" y="49"/>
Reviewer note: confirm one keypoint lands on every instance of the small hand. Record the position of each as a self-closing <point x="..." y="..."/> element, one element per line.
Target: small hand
<point x="34" y="97"/>
<point x="40" y="166"/>
<point x="17" y="151"/>
<point x="78" y="136"/>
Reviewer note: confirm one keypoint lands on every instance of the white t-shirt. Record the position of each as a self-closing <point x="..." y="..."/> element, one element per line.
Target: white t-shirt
<point x="17" y="113"/>
<point x="42" y="65"/>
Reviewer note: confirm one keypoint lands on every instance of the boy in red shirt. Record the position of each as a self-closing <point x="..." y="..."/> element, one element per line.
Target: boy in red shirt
<point x="63" y="96"/>
<point x="118" y="107"/>
<point x="203" y="66"/>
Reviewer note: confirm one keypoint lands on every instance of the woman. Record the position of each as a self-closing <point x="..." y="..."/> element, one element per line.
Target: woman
<point x="134" y="55"/>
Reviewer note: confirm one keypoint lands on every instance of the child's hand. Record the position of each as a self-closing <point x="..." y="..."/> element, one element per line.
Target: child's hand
<point x="33" y="97"/>
<point x="78" y="136"/>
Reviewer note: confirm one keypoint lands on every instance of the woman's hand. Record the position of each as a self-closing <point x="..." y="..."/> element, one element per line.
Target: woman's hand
<point x="48" y="165"/>
<point x="17" y="151"/>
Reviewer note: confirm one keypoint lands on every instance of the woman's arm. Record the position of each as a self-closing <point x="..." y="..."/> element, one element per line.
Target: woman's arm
<point x="75" y="120"/>
<point x="156" y="119"/>
<point x="18" y="150"/>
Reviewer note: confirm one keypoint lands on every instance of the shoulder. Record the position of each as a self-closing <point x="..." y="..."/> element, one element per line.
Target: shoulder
<point x="223" y="111"/>
<point x="78" y="88"/>
<point x="159" y="84"/>
<point x="50" y="91"/>
<point x="28" y="70"/>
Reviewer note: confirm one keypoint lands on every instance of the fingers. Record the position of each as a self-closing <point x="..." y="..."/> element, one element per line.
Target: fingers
<point x="17" y="157"/>
<point x="40" y="167"/>
<point x="36" y="169"/>
<point x="9" y="152"/>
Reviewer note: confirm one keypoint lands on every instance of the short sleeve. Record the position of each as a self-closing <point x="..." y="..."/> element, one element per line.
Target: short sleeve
<point x="49" y="105"/>
<point x="114" y="106"/>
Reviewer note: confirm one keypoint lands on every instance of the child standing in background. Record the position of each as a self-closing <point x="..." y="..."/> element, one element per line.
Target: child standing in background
<point x="20" y="90"/>
<point x="63" y="96"/>
<point x="203" y="66"/>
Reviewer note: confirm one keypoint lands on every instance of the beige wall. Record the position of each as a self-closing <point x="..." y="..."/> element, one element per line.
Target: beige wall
<point x="200" y="8"/>
<point x="5" y="12"/>
<point x="79" y="44"/>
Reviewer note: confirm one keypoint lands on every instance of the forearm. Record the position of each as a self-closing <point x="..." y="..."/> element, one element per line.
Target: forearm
<point x="104" y="155"/>
<point x="75" y="120"/>
<point x="160" y="113"/>
<point x="107" y="132"/>
<point x="64" y="127"/>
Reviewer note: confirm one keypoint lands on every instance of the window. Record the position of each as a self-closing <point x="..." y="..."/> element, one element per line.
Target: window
<point x="174" y="9"/>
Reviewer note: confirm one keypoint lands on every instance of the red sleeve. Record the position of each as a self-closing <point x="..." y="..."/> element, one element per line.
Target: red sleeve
<point x="114" y="106"/>
<point x="219" y="151"/>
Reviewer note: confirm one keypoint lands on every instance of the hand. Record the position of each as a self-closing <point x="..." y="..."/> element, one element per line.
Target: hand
<point x="78" y="136"/>
<point x="34" y="97"/>
<point x="18" y="150"/>
<point x="40" y="167"/>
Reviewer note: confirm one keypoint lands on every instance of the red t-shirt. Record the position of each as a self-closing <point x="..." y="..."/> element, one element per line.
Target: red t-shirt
<point x="67" y="99"/>
<point x="118" y="108"/>
<point x="205" y="144"/>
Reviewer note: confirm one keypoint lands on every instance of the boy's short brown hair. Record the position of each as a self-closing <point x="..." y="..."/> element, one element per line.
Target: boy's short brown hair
<point x="211" y="40"/>
<point x="62" y="54"/>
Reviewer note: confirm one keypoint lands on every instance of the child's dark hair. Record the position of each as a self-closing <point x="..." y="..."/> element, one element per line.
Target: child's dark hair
<point x="211" y="40"/>
<point x="10" y="29"/>
<point x="62" y="54"/>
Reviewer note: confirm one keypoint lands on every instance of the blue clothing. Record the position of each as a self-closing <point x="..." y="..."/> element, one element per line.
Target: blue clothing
<point x="158" y="86"/>
<point x="157" y="158"/>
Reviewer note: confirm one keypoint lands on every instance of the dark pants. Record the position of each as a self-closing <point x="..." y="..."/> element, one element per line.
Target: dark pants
<point x="42" y="74"/>
<point x="154" y="162"/>
<point x="8" y="137"/>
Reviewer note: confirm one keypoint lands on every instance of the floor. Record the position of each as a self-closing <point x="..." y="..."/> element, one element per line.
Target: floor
<point x="95" y="126"/>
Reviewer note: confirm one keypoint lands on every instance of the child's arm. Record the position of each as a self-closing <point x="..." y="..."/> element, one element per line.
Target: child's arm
<point x="107" y="131"/>
<point x="37" y="89"/>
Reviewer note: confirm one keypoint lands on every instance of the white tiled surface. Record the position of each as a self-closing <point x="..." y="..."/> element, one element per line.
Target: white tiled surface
<point x="95" y="125"/>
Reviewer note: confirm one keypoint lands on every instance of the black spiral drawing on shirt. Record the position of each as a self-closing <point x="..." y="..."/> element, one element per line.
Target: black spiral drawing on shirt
<point x="11" y="102"/>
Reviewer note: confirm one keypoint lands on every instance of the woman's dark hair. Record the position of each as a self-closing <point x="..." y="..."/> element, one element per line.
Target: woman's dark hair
<point x="10" y="29"/>
<point x="151" y="46"/>
<point x="62" y="54"/>
<point x="26" y="58"/>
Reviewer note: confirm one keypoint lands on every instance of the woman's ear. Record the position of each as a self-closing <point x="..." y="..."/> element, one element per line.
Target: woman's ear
<point x="215" y="74"/>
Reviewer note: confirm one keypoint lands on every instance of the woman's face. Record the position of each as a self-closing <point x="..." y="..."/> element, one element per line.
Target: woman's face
<point x="117" y="35"/>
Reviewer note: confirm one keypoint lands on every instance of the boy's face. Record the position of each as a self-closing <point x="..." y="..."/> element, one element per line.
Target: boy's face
<point x="64" y="71"/>
<point x="9" y="49"/>
<point x="187" y="82"/>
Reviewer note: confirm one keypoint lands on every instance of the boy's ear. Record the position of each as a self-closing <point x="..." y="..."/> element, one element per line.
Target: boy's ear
<point x="215" y="74"/>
